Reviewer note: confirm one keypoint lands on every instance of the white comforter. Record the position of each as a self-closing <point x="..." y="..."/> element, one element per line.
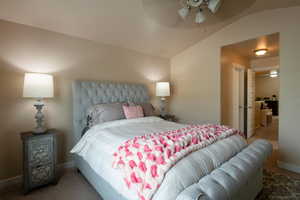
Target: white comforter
<point x="101" y="141"/>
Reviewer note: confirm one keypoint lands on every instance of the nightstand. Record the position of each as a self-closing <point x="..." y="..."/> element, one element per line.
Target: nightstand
<point x="171" y="118"/>
<point x="39" y="159"/>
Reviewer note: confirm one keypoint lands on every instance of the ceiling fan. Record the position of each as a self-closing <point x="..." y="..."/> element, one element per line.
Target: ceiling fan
<point x="171" y="13"/>
<point x="199" y="5"/>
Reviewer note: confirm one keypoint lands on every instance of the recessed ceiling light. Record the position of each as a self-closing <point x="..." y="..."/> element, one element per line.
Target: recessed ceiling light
<point x="260" y="52"/>
<point x="274" y="73"/>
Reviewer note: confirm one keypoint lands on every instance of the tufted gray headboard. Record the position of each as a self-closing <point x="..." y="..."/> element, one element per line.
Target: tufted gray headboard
<point x="87" y="93"/>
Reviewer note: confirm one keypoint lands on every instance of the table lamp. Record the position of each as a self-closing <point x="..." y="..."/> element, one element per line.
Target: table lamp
<point x="163" y="91"/>
<point x="38" y="86"/>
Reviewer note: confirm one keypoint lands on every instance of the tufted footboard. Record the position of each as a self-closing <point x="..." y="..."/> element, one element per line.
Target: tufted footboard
<point x="242" y="172"/>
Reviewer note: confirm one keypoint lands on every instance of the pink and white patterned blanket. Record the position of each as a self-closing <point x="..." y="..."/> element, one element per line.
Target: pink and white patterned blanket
<point x="146" y="159"/>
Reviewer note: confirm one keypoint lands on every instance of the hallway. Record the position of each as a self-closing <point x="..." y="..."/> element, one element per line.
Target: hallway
<point x="270" y="133"/>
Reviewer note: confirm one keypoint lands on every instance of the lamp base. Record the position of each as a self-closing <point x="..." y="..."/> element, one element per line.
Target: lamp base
<point x="163" y="106"/>
<point x="39" y="117"/>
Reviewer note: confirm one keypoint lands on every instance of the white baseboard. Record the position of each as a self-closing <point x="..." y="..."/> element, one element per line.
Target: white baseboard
<point x="18" y="179"/>
<point x="289" y="166"/>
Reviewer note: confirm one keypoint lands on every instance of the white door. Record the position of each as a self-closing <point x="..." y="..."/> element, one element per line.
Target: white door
<point x="239" y="98"/>
<point x="250" y="102"/>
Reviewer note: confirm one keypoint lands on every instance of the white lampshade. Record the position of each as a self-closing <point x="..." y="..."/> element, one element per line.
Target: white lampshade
<point x="162" y="89"/>
<point x="38" y="85"/>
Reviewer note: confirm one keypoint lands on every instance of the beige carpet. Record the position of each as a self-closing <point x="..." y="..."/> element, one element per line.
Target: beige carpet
<point x="71" y="186"/>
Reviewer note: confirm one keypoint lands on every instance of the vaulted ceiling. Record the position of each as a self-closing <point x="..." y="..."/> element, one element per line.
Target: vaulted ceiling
<point x="147" y="26"/>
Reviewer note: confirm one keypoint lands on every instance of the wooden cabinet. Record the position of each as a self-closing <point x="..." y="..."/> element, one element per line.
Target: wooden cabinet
<point x="39" y="159"/>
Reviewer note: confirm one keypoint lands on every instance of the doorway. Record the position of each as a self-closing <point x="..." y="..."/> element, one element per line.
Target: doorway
<point x="250" y="76"/>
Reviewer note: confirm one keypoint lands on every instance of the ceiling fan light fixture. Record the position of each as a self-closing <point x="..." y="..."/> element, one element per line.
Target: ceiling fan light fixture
<point x="200" y="17"/>
<point x="184" y="12"/>
<point x="199" y="6"/>
<point x="260" y="52"/>
<point x="214" y="5"/>
<point x="194" y="3"/>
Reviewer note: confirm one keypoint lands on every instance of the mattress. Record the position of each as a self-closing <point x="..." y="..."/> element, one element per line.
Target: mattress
<point x="101" y="141"/>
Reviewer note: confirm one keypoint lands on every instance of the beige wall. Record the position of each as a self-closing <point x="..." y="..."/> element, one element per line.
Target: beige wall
<point x="27" y="49"/>
<point x="266" y="86"/>
<point x="196" y="74"/>
<point x="228" y="60"/>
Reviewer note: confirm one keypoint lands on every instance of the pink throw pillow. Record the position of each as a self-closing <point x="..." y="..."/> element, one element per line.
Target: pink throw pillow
<point x="132" y="112"/>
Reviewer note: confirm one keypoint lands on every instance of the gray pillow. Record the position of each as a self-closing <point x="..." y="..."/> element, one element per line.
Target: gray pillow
<point x="104" y="113"/>
<point x="148" y="109"/>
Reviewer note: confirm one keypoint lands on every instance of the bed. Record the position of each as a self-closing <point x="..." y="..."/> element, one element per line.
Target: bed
<point x="234" y="172"/>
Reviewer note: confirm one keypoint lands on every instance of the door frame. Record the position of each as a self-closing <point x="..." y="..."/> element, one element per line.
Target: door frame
<point x="250" y="103"/>
<point x="239" y="97"/>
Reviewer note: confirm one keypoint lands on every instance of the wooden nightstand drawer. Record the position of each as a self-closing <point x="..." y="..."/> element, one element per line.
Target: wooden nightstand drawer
<point x="41" y="175"/>
<point x="40" y="151"/>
